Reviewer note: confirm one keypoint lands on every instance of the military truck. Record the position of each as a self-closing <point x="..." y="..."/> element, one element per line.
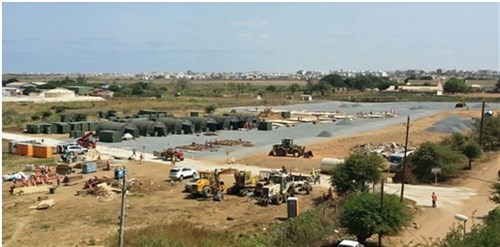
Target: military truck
<point x="279" y="186"/>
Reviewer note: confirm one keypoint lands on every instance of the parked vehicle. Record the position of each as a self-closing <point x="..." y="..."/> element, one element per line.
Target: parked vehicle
<point x="169" y="153"/>
<point x="349" y="243"/>
<point x="396" y="160"/>
<point x="77" y="149"/>
<point x="279" y="186"/>
<point x="12" y="176"/>
<point x="190" y="183"/>
<point x="179" y="173"/>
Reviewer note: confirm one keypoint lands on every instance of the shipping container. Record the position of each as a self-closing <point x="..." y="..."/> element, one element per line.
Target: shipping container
<point x="24" y="149"/>
<point x="265" y="126"/>
<point x="89" y="167"/>
<point x="42" y="151"/>
<point x="110" y="136"/>
<point x="33" y="128"/>
<point x="61" y="127"/>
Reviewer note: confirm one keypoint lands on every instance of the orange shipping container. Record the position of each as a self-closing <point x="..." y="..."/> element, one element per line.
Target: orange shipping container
<point x="24" y="149"/>
<point x="42" y="151"/>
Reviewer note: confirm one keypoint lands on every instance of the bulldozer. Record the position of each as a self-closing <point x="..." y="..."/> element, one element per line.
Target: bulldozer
<point x="287" y="147"/>
<point x="279" y="186"/>
<point x="244" y="183"/>
<point x="209" y="184"/>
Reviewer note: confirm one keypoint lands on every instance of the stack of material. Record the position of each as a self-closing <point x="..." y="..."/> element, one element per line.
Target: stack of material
<point x="45" y="204"/>
<point x="233" y="143"/>
<point x="104" y="192"/>
<point x="384" y="149"/>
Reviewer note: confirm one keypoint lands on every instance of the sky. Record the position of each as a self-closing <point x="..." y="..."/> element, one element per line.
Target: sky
<point x="242" y="37"/>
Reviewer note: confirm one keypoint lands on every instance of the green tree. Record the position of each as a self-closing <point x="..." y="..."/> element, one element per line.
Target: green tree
<point x="310" y="85"/>
<point x="324" y="88"/>
<point x="356" y="172"/>
<point x="81" y="79"/>
<point x="5" y="82"/>
<point x="498" y="85"/>
<point x="455" y="85"/>
<point x="363" y="215"/>
<point x="479" y="235"/>
<point x="491" y="132"/>
<point x="456" y="141"/>
<point x="294" y="88"/>
<point x="430" y="155"/>
<point x="29" y="90"/>
<point x="137" y="90"/>
<point x="271" y="88"/>
<point x="210" y="108"/>
<point x="335" y="80"/>
<point x="115" y="87"/>
<point x="495" y="196"/>
<point x="471" y="150"/>
<point x="182" y="84"/>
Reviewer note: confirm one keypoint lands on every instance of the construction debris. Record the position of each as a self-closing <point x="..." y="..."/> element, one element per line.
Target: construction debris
<point x="383" y="149"/>
<point x="45" y="204"/>
<point x="213" y="145"/>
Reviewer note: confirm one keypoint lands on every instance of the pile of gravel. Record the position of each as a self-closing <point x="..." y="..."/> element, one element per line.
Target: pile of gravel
<point x="420" y="107"/>
<point x="451" y="125"/>
<point x="344" y="105"/>
<point x="324" y="133"/>
<point x="345" y="122"/>
<point x="356" y="105"/>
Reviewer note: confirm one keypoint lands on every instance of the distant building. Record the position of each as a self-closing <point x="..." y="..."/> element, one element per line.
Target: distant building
<point x="81" y="90"/>
<point x="306" y="97"/>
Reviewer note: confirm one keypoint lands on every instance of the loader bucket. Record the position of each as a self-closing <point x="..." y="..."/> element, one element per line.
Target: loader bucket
<point x="308" y="154"/>
<point x="271" y="153"/>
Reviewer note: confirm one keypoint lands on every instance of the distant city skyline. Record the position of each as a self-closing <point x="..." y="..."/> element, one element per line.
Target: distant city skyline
<point x="239" y="37"/>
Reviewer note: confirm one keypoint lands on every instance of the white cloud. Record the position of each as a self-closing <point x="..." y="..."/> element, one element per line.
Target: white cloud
<point x="249" y="23"/>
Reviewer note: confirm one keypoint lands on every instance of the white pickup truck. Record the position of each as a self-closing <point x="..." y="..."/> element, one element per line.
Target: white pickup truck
<point x="179" y="173"/>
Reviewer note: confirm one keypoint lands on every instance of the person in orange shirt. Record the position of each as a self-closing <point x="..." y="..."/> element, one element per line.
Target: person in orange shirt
<point x="434" y="199"/>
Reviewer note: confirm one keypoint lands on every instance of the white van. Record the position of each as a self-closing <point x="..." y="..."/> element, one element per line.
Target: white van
<point x="349" y="243"/>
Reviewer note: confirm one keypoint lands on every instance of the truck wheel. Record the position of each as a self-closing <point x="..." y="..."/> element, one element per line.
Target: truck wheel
<point x="181" y="159"/>
<point x="308" y="189"/>
<point x="181" y="178"/>
<point x="296" y="153"/>
<point x="278" y="199"/>
<point x="207" y="191"/>
<point x="285" y="198"/>
<point x="242" y="193"/>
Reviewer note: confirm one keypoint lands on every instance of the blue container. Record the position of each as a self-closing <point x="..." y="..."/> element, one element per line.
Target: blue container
<point x="120" y="172"/>
<point x="89" y="167"/>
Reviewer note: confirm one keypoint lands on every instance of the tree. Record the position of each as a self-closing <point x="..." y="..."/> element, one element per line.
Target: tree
<point x="363" y="216"/>
<point x="137" y="89"/>
<point x="271" y="88"/>
<point x="310" y="85"/>
<point x="455" y="85"/>
<point x="498" y="85"/>
<point x="430" y="155"/>
<point x="294" y="88"/>
<point x="491" y="132"/>
<point x="182" y="84"/>
<point x="495" y="196"/>
<point x="472" y="150"/>
<point x="479" y="235"/>
<point x="81" y="79"/>
<point x="29" y="90"/>
<point x="5" y="82"/>
<point x="324" y="88"/>
<point x="335" y="80"/>
<point x="356" y="172"/>
<point x="456" y="141"/>
<point x="210" y="108"/>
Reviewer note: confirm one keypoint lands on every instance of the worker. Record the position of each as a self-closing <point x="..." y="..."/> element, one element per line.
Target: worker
<point x="38" y="180"/>
<point x="174" y="160"/>
<point x="108" y="165"/>
<point x="434" y="199"/>
<point x="58" y="179"/>
<point x="329" y="194"/>
<point x="141" y="157"/>
<point x="24" y="182"/>
<point x="133" y="153"/>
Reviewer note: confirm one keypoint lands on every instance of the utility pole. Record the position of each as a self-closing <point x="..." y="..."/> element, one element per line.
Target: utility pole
<point x="122" y="211"/>
<point x="481" y="127"/>
<point x="381" y="209"/>
<point x="404" y="159"/>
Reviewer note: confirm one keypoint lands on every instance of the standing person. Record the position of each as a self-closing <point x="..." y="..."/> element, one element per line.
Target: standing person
<point x="133" y="153"/>
<point x="58" y="179"/>
<point x="174" y="159"/>
<point x="434" y="199"/>
<point x="141" y="157"/>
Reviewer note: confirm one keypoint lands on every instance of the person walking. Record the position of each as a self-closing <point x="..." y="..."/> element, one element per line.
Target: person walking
<point x="141" y="157"/>
<point x="434" y="199"/>
<point x="133" y="153"/>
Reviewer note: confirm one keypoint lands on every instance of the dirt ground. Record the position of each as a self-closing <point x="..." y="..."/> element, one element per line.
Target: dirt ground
<point x="77" y="220"/>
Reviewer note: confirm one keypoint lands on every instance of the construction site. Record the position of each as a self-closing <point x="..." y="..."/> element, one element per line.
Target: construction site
<point x="239" y="174"/>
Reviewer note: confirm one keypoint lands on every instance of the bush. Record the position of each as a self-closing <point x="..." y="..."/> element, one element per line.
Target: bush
<point x="210" y="108"/>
